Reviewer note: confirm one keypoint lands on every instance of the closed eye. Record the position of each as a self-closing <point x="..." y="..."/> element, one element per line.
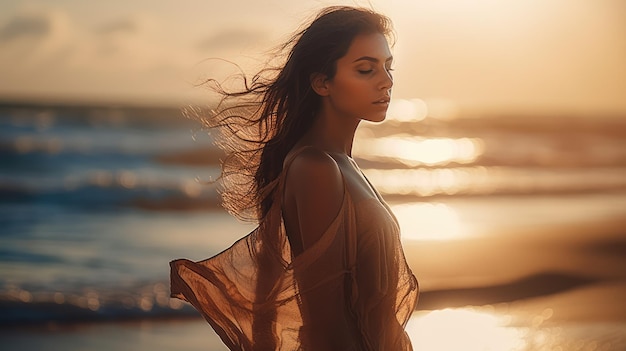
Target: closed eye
<point x="366" y="71"/>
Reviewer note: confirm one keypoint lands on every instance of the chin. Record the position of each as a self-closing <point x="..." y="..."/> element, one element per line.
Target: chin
<point x="376" y="118"/>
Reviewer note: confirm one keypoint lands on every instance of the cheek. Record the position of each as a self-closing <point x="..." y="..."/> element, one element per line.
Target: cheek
<point x="352" y="95"/>
<point x="351" y="89"/>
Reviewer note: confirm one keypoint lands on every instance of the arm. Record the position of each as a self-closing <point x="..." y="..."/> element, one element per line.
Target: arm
<point x="313" y="198"/>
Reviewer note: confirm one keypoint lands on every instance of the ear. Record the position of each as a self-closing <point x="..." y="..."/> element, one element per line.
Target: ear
<point x="319" y="83"/>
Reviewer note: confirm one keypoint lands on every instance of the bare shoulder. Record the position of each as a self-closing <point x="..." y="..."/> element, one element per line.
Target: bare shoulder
<point x="313" y="168"/>
<point x="314" y="193"/>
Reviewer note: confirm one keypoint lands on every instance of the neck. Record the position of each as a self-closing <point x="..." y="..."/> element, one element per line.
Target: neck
<point x="332" y="132"/>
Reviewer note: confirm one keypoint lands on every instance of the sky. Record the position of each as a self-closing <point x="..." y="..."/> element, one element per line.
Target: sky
<point x="554" y="56"/>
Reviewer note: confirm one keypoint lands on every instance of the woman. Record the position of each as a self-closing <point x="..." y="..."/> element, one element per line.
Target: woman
<point x="324" y="270"/>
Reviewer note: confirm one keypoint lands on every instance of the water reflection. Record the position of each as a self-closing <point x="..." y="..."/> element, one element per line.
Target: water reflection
<point x="483" y="329"/>
<point x="428" y="221"/>
<point x="464" y="329"/>
<point x="427" y="182"/>
<point x="480" y="180"/>
<point x="415" y="151"/>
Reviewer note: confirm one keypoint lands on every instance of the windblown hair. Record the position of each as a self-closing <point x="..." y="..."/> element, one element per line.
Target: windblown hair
<point x="257" y="125"/>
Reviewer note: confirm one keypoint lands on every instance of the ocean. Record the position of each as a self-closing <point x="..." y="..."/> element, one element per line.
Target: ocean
<point x="513" y="224"/>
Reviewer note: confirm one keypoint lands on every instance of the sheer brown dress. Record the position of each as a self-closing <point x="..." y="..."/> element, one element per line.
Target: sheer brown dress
<point x="350" y="290"/>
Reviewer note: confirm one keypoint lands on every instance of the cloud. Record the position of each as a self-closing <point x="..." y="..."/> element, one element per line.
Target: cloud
<point x="232" y="38"/>
<point x="36" y="38"/>
<point x="117" y="36"/>
<point x="28" y="25"/>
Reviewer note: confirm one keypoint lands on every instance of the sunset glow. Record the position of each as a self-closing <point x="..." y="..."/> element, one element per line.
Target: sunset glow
<point x="560" y="55"/>
<point x="134" y="134"/>
<point x="415" y="151"/>
<point x="464" y="329"/>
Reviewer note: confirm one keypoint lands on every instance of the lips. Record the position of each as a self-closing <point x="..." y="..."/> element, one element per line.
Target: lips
<point x="383" y="100"/>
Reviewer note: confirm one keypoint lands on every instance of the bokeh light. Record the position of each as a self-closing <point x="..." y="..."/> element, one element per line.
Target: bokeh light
<point x="415" y="151"/>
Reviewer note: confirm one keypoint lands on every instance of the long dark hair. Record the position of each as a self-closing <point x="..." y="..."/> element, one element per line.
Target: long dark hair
<point x="260" y="123"/>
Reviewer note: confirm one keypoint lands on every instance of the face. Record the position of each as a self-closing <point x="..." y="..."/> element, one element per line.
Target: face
<point x="361" y="87"/>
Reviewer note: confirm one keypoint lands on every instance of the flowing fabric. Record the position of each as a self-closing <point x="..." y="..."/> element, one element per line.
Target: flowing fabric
<point x="351" y="290"/>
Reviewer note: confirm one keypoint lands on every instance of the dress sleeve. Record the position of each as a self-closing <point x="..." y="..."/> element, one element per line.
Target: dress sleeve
<point x="256" y="296"/>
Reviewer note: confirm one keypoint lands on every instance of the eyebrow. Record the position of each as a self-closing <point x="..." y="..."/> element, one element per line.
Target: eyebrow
<point x="372" y="59"/>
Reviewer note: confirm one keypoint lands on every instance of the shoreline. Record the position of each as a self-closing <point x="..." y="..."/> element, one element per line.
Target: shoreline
<point x="546" y="286"/>
<point x="540" y="323"/>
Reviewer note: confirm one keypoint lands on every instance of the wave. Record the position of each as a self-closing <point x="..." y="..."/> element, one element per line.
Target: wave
<point x="19" y="307"/>
<point x="44" y="116"/>
<point x="101" y="157"/>
<point x="112" y="192"/>
<point x="83" y="143"/>
<point x="101" y="189"/>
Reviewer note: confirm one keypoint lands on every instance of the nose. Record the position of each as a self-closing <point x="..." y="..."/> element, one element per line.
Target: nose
<point x="387" y="81"/>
